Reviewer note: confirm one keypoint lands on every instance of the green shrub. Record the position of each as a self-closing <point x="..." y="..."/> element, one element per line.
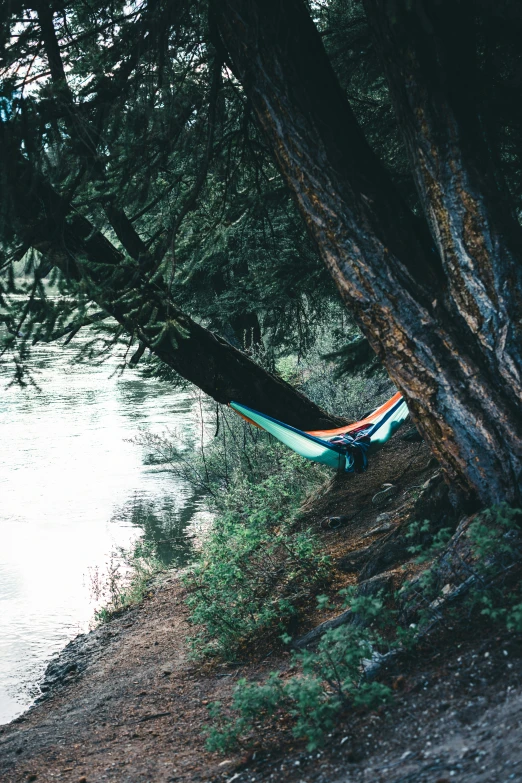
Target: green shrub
<point x="496" y="540"/>
<point x="429" y="545"/>
<point x="256" y="566"/>
<point x="493" y="542"/>
<point x="128" y="579"/>
<point x="495" y="536"/>
<point x="324" y="683"/>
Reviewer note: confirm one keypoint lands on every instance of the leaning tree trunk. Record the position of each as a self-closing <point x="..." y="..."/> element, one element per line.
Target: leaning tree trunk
<point x="129" y="288"/>
<point x="139" y="301"/>
<point x="382" y="260"/>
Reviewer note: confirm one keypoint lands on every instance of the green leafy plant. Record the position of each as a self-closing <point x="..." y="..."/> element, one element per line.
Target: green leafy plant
<point x="127" y="581"/>
<point x="429" y="544"/>
<point x="495" y="535"/>
<point x="489" y="559"/>
<point x="496" y="540"/>
<point x="256" y="566"/>
<point x="323" y="683"/>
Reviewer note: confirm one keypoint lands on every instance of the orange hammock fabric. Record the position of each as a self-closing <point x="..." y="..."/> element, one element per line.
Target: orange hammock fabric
<point x="356" y="425"/>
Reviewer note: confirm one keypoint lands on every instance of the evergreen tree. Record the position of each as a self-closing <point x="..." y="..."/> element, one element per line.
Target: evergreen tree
<point x="154" y="155"/>
<point x="436" y="291"/>
<point x="110" y="170"/>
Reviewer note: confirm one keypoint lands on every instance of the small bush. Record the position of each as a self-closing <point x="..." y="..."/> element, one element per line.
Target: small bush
<point x="323" y="683"/>
<point x="255" y="566"/>
<point x="496" y="539"/>
<point x="486" y="562"/>
<point x="428" y="544"/>
<point x="127" y="582"/>
<point x="329" y="680"/>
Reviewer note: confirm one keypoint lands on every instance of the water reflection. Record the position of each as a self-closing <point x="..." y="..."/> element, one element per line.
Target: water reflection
<point x="73" y="489"/>
<point x="164" y="527"/>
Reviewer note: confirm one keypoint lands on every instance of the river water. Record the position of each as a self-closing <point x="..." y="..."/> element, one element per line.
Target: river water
<point x="73" y="489"/>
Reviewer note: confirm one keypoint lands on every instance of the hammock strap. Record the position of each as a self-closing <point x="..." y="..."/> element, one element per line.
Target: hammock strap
<point x="354" y="450"/>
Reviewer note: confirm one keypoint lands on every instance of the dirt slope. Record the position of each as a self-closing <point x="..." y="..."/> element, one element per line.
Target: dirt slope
<point x="125" y="703"/>
<point x="134" y="712"/>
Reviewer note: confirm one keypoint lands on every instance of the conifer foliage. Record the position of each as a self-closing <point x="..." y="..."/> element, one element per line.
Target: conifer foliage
<point x="155" y="159"/>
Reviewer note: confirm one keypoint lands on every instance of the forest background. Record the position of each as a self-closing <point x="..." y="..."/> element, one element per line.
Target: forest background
<point x="153" y="158"/>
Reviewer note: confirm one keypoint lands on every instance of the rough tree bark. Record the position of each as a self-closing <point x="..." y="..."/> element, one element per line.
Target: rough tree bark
<point x="420" y="312"/>
<point x="140" y="302"/>
<point x="429" y="56"/>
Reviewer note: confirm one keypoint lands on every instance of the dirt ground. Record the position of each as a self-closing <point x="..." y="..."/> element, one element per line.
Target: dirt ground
<point x="126" y="703"/>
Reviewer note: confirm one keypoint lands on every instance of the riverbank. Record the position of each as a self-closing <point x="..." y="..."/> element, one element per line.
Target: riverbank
<point x="74" y="492"/>
<point x="126" y="702"/>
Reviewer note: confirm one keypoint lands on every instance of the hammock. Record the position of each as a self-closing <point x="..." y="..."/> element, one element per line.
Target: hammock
<point x="343" y="448"/>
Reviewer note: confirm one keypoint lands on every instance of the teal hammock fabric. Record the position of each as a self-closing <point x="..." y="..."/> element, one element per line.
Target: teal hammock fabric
<point x="346" y="448"/>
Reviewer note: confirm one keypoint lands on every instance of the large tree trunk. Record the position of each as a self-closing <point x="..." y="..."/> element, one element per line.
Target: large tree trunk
<point x="140" y="301"/>
<point x="383" y="261"/>
<point x="429" y="55"/>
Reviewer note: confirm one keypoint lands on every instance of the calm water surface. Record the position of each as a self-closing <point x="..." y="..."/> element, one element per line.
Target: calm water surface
<point x="72" y="490"/>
